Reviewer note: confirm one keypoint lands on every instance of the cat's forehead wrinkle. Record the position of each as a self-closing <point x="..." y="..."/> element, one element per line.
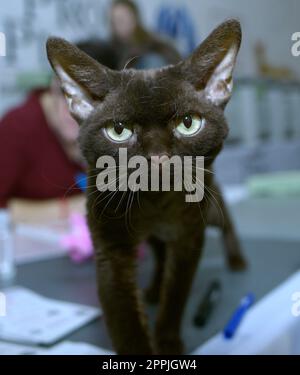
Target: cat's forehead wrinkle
<point x="151" y="97"/>
<point x="144" y="87"/>
<point x="147" y="73"/>
<point x="148" y="77"/>
<point x="156" y="73"/>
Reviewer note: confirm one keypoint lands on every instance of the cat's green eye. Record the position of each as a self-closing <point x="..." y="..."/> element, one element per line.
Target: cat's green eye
<point x="190" y="125"/>
<point x="118" y="132"/>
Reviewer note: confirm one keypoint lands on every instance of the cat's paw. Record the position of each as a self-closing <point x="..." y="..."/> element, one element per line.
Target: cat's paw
<point x="151" y="295"/>
<point x="169" y="346"/>
<point x="237" y="263"/>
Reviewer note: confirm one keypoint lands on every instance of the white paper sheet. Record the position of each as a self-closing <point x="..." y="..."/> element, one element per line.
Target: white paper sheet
<point x="31" y="318"/>
<point x="64" y="348"/>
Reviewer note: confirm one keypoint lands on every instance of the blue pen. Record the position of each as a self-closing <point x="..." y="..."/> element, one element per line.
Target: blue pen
<point x="231" y="327"/>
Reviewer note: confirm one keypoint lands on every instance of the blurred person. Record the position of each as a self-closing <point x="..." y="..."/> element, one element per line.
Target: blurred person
<point x="39" y="155"/>
<point x="136" y="46"/>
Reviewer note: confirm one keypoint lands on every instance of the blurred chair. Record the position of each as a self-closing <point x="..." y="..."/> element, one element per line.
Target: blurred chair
<point x="264" y="136"/>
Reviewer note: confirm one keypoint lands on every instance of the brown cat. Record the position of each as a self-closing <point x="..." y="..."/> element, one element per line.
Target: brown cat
<point x="176" y="110"/>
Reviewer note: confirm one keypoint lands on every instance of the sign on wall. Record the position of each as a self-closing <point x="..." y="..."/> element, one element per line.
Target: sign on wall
<point x="25" y="26"/>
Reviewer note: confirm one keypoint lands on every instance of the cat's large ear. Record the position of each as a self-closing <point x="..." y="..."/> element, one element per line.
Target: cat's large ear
<point x="211" y="65"/>
<point x="84" y="81"/>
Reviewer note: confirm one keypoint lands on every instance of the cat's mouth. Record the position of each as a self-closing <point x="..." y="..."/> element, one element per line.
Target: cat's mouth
<point x="154" y="173"/>
<point x="159" y="159"/>
<point x="157" y="164"/>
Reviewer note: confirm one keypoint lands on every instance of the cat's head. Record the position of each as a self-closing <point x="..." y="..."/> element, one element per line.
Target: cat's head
<point x="175" y="110"/>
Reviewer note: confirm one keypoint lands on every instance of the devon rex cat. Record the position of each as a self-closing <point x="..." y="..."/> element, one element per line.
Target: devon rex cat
<point x="175" y="110"/>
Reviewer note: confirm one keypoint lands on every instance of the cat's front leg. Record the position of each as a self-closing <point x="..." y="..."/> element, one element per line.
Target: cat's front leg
<point x="120" y="300"/>
<point x="152" y="293"/>
<point x="181" y="264"/>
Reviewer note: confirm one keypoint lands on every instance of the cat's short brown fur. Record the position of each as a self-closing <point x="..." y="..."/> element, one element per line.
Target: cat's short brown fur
<point x="151" y="103"/>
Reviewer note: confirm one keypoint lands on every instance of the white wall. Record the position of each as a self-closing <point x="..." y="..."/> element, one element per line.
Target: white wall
<point x="271" y="21"/>
<point x="28" y="23"/>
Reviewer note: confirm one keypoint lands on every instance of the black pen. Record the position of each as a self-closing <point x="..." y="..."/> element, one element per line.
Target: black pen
<point x="208" y="303"/>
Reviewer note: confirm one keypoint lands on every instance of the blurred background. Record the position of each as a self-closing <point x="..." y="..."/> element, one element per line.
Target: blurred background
<point x="265" y="103"/>
<point x="258" y="170"/>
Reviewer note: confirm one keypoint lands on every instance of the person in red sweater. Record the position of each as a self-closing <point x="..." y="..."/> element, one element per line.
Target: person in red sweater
<point x="39" y="155"/>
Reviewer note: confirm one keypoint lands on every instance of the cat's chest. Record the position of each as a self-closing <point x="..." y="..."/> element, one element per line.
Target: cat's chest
<point x="168" y="216"/>
<point x="164" y="231"/>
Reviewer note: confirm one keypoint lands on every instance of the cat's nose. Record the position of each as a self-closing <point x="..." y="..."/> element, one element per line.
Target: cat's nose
<point x="159" y="159"/>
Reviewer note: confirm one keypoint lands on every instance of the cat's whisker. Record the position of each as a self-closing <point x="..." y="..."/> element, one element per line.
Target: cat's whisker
<point x="85" y="178"/>
<point x="198" y="204"/>
<point x="108" y="194"/>
<point x="120" y="201"/>
<point x="75" y="183"/>
<point x="103" y="192"/>
<point x="107" y="204"/>
<point x="212" y="199"/>
<point x="130" y="60"/>
<point x="202" y="169"/>
<point x="138" y="199"/>
<point x="212" y="190"/>
<point x="163" y="104"/>
<point x="127" y="217"/>
<point x="97" y="202"/>
<point x="130" y="211"/>
<point x="95" y="191"/>
<point x="128" y="84"/>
